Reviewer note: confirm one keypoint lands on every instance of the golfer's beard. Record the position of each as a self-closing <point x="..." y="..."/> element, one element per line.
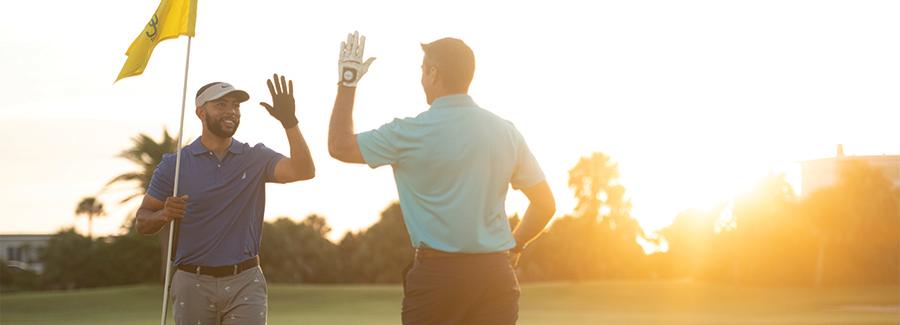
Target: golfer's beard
<point x="215" y="126"/>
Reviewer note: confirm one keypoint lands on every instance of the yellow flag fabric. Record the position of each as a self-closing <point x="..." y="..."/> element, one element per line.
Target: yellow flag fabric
<point x="173" y="18"/>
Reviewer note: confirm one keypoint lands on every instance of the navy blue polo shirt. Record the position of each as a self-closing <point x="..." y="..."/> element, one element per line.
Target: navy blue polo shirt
<point x="223" y="221"/>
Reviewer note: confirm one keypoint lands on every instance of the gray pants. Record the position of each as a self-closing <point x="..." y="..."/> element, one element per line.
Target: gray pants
<point x="471" y="290"/>
<point x="231" y="300"/>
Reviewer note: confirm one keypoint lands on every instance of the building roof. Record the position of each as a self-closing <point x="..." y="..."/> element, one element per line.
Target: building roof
<point x="24" y="237"/>
<point x="868" y="158"/>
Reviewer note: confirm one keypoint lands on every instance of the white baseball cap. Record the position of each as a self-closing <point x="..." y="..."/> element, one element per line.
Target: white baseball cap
<point x="216" y="90"/>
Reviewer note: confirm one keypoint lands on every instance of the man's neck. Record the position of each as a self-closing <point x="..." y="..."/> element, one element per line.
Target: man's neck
<point x="444" y="93"/>
<point x="218" y="145"/>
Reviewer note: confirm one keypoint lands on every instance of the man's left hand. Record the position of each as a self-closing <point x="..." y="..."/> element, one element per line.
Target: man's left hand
<point x="283" y="101"/>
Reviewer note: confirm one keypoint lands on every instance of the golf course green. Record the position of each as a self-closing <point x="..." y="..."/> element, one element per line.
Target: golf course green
<point x="614" y="302"/>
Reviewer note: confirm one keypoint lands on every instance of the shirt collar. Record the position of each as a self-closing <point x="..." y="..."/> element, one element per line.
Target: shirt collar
<point x="197" y="147"/>
<point x="457" y="100"/>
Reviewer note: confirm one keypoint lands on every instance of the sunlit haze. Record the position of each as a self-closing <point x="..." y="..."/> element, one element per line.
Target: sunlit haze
<point x="694" y="100"/>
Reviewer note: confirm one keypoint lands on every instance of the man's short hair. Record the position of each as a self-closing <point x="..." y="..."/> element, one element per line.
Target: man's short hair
<point x="454" y="60"/>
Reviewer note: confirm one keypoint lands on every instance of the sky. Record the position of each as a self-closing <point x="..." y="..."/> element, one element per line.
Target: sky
<point x="694" y="100"/>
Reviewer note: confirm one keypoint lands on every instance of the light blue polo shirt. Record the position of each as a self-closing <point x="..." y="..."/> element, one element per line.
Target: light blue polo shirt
<point x="453" y="165"/>
<point x="223" y="221"/>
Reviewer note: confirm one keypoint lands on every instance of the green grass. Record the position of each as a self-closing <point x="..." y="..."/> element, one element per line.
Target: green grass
<point x="620" y="302"/>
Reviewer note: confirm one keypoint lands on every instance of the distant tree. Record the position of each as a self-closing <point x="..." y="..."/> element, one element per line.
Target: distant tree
<point x="73" y="261"/>
<point x="136" y="258"/>
<point x="560" y="252"/>
<point x="380" y="253"/>
<point x="857" y="224"/>
<point x="595" y="181"/>
<point x="299" y="252"/>
<point x="771" y="243"/>
<point x="146" y="153"/>
<point x="66" y="260"/>
<point x="601" y="196"/>
<point x="91" y="208"/>
<point x="348" y="247"/>
<point x="848" y="233"/>
<point x="599" y="239"/>
<point x="17" y="279"/>
<point x="690" y="241"/>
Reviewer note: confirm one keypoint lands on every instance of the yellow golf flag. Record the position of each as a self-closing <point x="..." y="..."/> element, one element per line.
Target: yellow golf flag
<point x="173" y="18"/>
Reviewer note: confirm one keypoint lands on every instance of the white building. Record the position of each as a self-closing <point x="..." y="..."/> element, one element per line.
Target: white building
<point x="819" y="173"/>
<point x="23" y="251"/>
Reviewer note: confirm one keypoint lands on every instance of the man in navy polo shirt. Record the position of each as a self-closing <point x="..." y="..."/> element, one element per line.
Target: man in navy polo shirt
<point x="220" y="205"/>
<point x="453" y="165"/>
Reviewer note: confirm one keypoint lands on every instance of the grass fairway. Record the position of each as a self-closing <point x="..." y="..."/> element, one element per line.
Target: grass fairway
<point x="644" y="302"/>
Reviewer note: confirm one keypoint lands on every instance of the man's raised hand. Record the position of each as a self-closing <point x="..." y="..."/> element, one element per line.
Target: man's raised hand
<point x="350" y="63"/>
<point x="282" y="107"/>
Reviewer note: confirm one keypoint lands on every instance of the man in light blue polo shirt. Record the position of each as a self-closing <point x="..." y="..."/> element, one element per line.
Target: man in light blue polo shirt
<point x="220" y="206"/>
<point x="453" y="165"/>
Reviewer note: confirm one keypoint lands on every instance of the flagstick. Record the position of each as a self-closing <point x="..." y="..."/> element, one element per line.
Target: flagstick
<point x="165" y="305"/>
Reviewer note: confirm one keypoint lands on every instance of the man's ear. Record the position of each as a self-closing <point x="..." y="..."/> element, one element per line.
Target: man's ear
<point x="200" y="111"/>
<point x="433" y="75"/>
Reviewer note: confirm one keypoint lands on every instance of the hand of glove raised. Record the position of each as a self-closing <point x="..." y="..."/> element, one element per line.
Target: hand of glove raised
<point x="350" y="64"/>
<point x="282" y="107"/>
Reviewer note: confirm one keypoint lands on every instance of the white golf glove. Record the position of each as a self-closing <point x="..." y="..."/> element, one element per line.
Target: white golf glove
<point x="350" y="65"/>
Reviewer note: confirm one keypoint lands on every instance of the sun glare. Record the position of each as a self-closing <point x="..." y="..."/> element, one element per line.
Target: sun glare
<point x="704" y="183"/>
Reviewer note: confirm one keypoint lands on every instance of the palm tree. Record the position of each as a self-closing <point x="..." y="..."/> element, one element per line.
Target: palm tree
<point x="90" y="207"/>
<point x="603" y="217"/>
<point x="595" y="182"/>
<point x="146" y="153"/>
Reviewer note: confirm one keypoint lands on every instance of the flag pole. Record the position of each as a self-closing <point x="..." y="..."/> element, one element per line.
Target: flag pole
<point x="165" y="304"/>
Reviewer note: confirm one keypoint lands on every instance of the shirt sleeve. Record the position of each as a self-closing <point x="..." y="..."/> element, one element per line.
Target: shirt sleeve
<point x="381" y="146"/>
<point x="527" y="172"/>
<point x="162" y="182"/>
<point x="270" y="158"/>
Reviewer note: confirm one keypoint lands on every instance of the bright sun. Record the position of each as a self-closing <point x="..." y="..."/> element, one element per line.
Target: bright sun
<point x="659" y="194"/>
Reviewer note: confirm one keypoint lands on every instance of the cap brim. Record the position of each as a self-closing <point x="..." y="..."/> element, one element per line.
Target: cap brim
<point x="214" y="93"/>
<point x="241" y="95"/>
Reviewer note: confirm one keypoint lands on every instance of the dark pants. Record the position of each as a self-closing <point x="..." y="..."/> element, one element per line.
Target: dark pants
<point x="464" y="289"/>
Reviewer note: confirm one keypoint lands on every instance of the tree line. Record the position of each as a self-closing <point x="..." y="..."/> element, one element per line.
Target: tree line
<point x="848" y="233"/>
<point x="291" y="252"/>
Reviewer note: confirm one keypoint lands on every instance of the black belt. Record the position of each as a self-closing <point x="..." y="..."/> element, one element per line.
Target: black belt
<point x="220" y="271"/>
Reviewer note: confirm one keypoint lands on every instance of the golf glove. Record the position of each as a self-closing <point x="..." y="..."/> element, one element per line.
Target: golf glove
<point x="350" y="64"/>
